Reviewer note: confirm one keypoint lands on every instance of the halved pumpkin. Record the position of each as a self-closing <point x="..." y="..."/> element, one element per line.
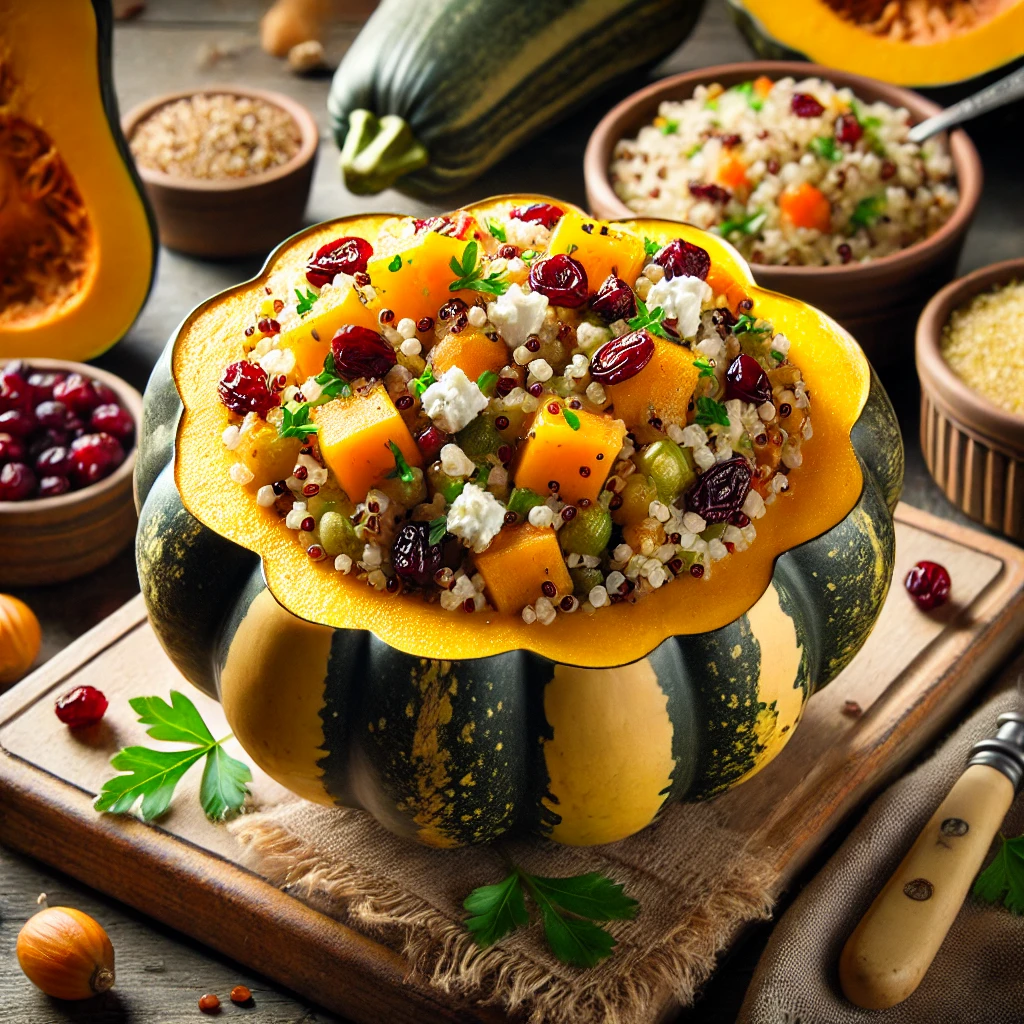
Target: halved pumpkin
<point x="455" y="729"/>
<point x="77" y="242"/>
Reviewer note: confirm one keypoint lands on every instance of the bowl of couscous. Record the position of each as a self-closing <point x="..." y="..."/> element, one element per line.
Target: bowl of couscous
<point x="808" y="172"/>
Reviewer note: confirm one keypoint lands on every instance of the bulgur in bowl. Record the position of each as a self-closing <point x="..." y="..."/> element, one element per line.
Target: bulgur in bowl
<point x="875" y="298"/>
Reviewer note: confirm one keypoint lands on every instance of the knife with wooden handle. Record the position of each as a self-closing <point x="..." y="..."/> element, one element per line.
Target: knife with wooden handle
<point x="895" y="942"/>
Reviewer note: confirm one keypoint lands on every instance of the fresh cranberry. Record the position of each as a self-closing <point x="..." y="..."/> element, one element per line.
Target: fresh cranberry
<point x="95" y="456"/>
<point x="15" y="391"/>
<point x="805" y="105"/>
<point x="51" y="413"/>
<point x="712" y="193"/>
<point x="684" y="259"/>
<point x="12" y="449"/>
<point x="719" y="492"/>
<point x="538" y="213"/>
<point x="103" y="394"/>
<point x="746" y="380"/>
<point x="622" y="358"/>
<point x="928" y="583"/>
<point x="614" y="300"/>
<point x="51" y="437"/>
<point x="430" y="441"/>
<point x="112" y="419"/>
<point x="848" y="129"/>
<point x="43" y="384"/>
<point x="73" y="426"/>
<point x="244" y="388"/>
<point x="347" y="255"/>
<point x="17" y="482"/>
<point x="82" y="706"/>
<point x="77" y="393"/>
<point x="54" y="462"/>
<point x="414" y="558"/>
<point x="51" y="486"/>
<point x="18" y="422"/>
<point x="360" y="352"/>
<point x="562" y="279"/>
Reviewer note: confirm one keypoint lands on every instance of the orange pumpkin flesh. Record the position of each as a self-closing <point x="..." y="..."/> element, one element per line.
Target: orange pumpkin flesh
<point x="824" y="489"/>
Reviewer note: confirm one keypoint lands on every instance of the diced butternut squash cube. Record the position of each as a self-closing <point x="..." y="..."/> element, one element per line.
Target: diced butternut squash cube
<point x="354" y="435"/>
<point x="269" y="456"/>
<point x="471" y="351"/>
<point x="414" y="282"/>
<point x="662" y="389"/>
<point x="517" y="564"/>
<point x="722" y="284"/>
<point x="579" y="459"/>
<point x="310" y="338"/>
<point x="616" y="252"/>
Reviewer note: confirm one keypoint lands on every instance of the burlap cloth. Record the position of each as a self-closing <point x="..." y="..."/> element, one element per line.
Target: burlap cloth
<point x="978" y="975"/>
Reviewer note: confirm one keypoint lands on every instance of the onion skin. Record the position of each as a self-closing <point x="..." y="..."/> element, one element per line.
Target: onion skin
<point x="66" y="954"/>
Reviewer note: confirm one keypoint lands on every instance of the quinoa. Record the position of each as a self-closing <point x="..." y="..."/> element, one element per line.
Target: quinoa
<point x="792" y="173"/>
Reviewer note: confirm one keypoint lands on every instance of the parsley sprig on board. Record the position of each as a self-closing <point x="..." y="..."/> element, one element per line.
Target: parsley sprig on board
<point x="152" y="775"/>
<point x="568" y="908"/>
<point x="1003" y="880"/>
<point x="470" y="275"/>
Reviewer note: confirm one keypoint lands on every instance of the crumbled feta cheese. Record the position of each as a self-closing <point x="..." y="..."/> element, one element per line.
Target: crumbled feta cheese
<point x="590" y="338"/>
<point x="477" y="316"/>
<point x="681" y="299"/>
<point x="277" y="360"/>
<point x="265" y="496"/>
<point x="455" y="462"/>
<point x="475" y="517"/>
<point x="411" y="347"/>
<point x="517" y="314"/>
<point x="406" y="327"/>
<point x="453" y="401"/>
<point x="240" y="474"/>
<point x="541" y="370"/>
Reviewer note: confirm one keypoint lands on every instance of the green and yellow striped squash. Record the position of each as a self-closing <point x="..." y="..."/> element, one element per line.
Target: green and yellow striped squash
<point x="458" y="729"/>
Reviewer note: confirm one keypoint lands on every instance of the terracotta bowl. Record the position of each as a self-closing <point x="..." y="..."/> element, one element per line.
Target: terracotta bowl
<point x="51" y="540"/>
<point x="973" y="449"/>
<point x="235" y="216"/>
<point x="877" y="302"/>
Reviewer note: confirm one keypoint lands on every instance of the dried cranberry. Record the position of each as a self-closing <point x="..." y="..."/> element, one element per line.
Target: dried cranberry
<point x="848" y="129"/>
<point x="112" y="419"/>
<point x="77" y="393"/>
<point x="745" y="379"/>
<point x="347" y="255"/>
<point x="84" y="705"/>
<point x="12" y="449"/>
<point x="712" y="193"/>
<point x="15" y="391"/>
<point x="18" y="422"/>
<point x="415" y="559"/>
<point x="721" y="490"/>
<point x="681" y="258"/>
<point x="622" y="358"/>
<point x="51" y="413"/>
<point x="805" y="105"/>
<point x="538" y="213"/>
<point x="52" y="486"/>
<point x="562" y="279"/>
<point x="614" y="300"/>
<point x="244" y="388"/>
<point x="17" y="482"/>
<point x="43" y="384"/>
<point x="928" y="583"/>
<point x="360" y="352"/>
<point x="430" y="442"/>
<point x="55" y="461"/>
<point x="95" y="456"/>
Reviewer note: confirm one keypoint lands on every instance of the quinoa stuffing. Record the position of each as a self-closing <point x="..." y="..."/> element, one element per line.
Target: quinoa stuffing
<point x="792" y="173"/>
<point x="538" y="413"/>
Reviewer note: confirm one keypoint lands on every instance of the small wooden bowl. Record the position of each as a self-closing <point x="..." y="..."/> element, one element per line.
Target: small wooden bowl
<point x="230" y="216"/>
<point x="877" y="302"/>
<point x="973" y="449"/>
<point x="51" y="540"/>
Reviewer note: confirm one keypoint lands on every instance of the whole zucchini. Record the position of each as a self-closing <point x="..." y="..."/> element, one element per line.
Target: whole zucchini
<point x="433" y="92"/>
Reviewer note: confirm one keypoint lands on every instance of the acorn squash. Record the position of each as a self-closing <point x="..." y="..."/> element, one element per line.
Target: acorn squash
<point x="77" y="240"/>
<point x="433" y="92"/>
<point x="456" y="729"/>
<point x="934" y="43"/>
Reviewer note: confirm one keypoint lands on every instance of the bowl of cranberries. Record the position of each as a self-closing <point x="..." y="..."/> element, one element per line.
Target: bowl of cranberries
<point x="67" y="452"/>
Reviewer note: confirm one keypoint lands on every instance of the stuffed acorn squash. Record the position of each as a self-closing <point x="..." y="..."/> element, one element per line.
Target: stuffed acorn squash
<point x="604" y="627"/>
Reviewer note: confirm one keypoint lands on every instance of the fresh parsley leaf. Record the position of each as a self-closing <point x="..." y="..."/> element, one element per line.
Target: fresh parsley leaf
<point x="572" y="939"/>
<point x="332" y="384"/>
<point x="571" y="248"/>
<point x="497" y="230"/>
<point x="152" y="775"/>
<point x="711" y="105"/>
<point x="705" y="368"/>
<point x="497" y="910"/>
<point x="438" y="528"/>
<point x="295" y="423"/>
<point x="469" y="276"/>
<point x="396" y="264"/>
<point x="592" y="895"/>
<point x="528" y="255"/>
<point x="709" y="411"/>
<point x="481" y="475"/>
<point x="486" y="381"/>
<point x="402" y="468"/>
<point x="777" y="355"/>
<point x="746" y="89"/>
<point x="694" y="150"/>
<point x="825" y="147"/>
<point x="746" y="324"/>
<point x="745" y="225"/>
<point x="670" y="127"/>
<point x="1003" y="880"/>
<point x="646" y="319"/>
<point x="423" y="381"/>
<point x="651" y="248"/>
<point x="571" y="418"/>
<point x="305" y="302"/>
<point x="866" y="212"/>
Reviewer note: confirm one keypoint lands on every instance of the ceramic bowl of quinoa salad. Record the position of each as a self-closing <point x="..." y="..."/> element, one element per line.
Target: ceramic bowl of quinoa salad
<point x="807" y="171"/>
<point x="518" y="420"/>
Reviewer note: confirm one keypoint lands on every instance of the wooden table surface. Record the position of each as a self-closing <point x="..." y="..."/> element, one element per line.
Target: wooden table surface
<point x="161" y="975"/>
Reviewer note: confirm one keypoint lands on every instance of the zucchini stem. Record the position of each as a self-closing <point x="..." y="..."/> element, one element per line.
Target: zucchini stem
<point x="378" y="151"/>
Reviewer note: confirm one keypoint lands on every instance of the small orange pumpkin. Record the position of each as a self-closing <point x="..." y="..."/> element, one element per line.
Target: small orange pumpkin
<point x="66" y="953"/>
<point x="20" y="638"/>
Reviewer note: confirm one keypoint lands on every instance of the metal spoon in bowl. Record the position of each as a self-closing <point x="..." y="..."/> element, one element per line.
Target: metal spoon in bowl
<point x="1006" y="90"/>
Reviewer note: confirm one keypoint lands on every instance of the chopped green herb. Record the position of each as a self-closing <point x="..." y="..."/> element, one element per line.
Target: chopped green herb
<point x="423" y="381"/>
<point x="670" y="128"/>
<point x="571" y="249"/>
<point x="745" y="225"/>
<point x="648" y="319"/>
<point x="305" y="303"/>
<point x="295" y="422"/>
<point x="497" y="230"/>
<point x="777" y="355"/>
<point x="746" y="324"/>
<point x="1003" y="880"/>
<point x="571" y="418"/>
<point x="711" y="105"/>
<point x="866" y="212"/>
<point x="402" y="468"/>
<point x="486" y="381"/>
<point x="480" y="478"/>
<point x="469" y="276"/>
<point x="709" y="411"/>
<point x="527" y="255"/>
<point x="694" y="150"/>
<point x="154" y="774"/>
<point x="705" y="368"/>
<point x="568" y="909"/>
<point x="746" y="89"/>
<point x="395" y="264"/>
<point x="651" y="248"/>
<point x="438" y="528"/>
<point x="333" y="385"/>
<point x="825" y="147"/>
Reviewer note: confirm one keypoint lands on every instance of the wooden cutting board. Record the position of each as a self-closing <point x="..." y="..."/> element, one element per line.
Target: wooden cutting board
<point x="912" y="677"/>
